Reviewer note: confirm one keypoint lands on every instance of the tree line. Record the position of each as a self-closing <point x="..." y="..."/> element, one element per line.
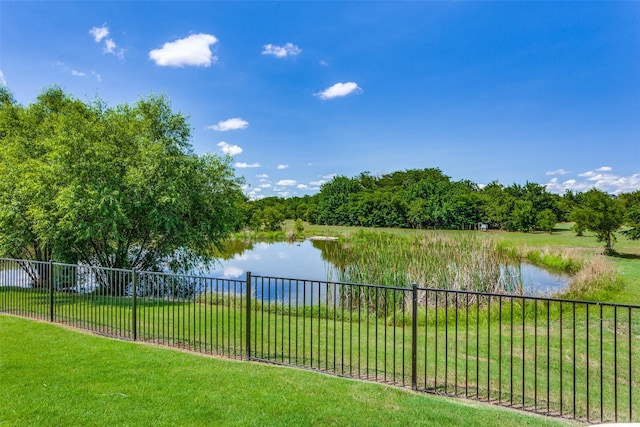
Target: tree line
<point x="429" y="199"/>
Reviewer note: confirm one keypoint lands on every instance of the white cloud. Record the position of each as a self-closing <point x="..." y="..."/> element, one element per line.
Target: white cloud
<point x="255" y="194"/>
<point x="77" y="73"/>
<point x="109" y="46"/>
<point x="262" y="175"/>
<point x="338" y="90"/>
<point x="324" y="63"/>
<point x="3" y="82"/>
<point x="265" y="186"/>
<point x="302" y="186"/>
<point x="287" y="182"/>
<point x="557" y="172"/>
<point x="193" y="50"/>
<point x="229" y="124"/>
<point x="288" y="49"/>
<point x="284" y="194"/>
<point x="608" y="182"/>
<point x="231" y="272"/>
<point x="282" y="166"/>
<point x="318" y="183"/>
<point x="228" y="149"/>
<point x="99" y="33"/>
<point x="330" y="176"/>
<point x="97" y="76"/>
<point x="243" y="165"/>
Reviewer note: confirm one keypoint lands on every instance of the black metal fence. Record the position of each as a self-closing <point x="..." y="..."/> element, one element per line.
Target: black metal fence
<point x="572" y="359"/>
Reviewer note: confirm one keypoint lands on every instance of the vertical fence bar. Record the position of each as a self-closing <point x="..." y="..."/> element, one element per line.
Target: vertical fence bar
<point x="414" y="336"/>
<point x="50" y="284"/>
<point x="134" y="309"/>
<point x="630" y="370"/>
<point x="248" y="316"/>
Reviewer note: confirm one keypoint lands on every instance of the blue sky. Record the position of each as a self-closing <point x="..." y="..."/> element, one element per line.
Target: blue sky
<point x="298" y="92"/>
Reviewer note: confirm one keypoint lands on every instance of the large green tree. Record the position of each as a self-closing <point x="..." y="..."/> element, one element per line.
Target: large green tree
<point x="600" y="213"/>
<point x="112" y="187"/>
<point x="631" y="203"/>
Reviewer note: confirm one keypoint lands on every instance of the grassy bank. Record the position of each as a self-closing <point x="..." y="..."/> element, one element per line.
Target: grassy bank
<point x="52" y="376"/>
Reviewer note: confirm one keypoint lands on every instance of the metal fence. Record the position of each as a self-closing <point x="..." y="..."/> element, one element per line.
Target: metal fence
<point x="572" y="359"/>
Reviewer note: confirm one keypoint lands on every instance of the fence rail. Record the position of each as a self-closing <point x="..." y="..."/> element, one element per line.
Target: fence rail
<point x="565" y="358"/>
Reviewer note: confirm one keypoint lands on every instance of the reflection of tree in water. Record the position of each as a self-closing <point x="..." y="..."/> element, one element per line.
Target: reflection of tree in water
<point x="337" y="254"/>
<point x="231" y="248"/>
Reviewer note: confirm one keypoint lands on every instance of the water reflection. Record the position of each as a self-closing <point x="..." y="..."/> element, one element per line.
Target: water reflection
<point x="316" y="261"/>
<point x="313" y="261"/>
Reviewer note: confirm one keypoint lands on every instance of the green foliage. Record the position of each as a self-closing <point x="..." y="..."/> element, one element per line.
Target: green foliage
<point x="272" y="219"/>
<point x="632" y="215"/>
<point x="546" y="220"/>
<point x="601" y="214"/>
<point x="298" y="228"/>
<point x="456" y="262"/>
<point x="115" y="187"/>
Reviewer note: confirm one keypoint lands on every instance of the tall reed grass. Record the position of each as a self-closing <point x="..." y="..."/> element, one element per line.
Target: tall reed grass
<point x="453" y="262"/>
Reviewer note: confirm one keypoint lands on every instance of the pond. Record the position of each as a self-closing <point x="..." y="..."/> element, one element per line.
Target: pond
<point x="308" y="260"/>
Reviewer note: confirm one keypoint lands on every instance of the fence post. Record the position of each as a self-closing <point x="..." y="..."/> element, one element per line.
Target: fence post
<point x="134" y="292"/>
<point x="51" y="299"/>
<point x="248" y="317"/>
<point x="414" y="337"/>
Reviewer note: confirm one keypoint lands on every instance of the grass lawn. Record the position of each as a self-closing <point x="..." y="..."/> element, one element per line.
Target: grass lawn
<point x="55" y="376"/>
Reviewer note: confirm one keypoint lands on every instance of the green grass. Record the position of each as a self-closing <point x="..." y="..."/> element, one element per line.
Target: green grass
<point x="474" y="359"/>
<point x="52" y="376"/>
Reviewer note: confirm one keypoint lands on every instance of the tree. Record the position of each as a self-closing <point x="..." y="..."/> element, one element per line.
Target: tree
<point x="298" y="228"/>
<point x="496" y="205"/>
<point x="632" y="214"/>
<point x="334" y="198"/>
<point x="602" y="214"/>
<point x="111" y="187"/>
<point x="272" y="218"/>
<point x="546" y="220"/>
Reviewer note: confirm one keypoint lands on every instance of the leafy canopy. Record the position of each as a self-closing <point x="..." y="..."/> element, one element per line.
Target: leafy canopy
<point x="109" y="186"/>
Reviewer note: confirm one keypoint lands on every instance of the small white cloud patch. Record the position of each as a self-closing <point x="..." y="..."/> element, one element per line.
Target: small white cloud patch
<point x="282" y="166"/>
<point x="339" y="90"/>
<point x="228" y="149"/>
<point x="193" y="50"/>
<point x="99" y="33"/>
<point x="556" y="172"/>
<point x="288" y="49"/>
<point x="243" y="165"/>
<point x="287" y="182"/>
<point x="235" y="123"/>
<point x="3" y="82"/>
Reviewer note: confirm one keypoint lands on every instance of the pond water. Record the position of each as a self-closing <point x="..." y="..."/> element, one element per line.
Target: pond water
<point x="305" y="260"/>
<point x="308" y="260"/>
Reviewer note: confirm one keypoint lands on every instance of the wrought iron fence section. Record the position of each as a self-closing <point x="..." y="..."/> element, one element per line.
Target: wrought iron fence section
<point x="567" y="358"/>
